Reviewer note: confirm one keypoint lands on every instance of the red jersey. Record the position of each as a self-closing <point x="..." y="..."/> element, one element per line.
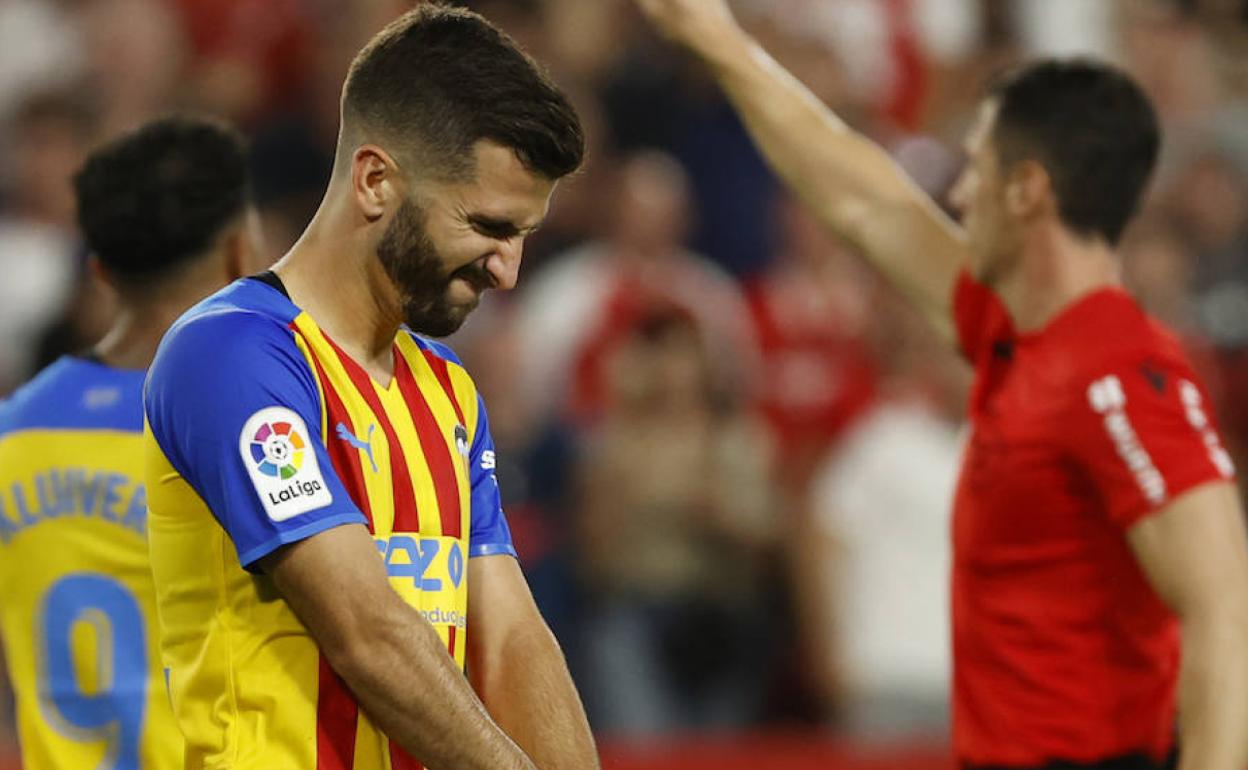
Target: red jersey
<point x="1061" y="648"/>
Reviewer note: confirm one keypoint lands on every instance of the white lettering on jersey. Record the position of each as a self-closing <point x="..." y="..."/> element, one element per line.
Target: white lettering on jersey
<point x="276" y="448"/>
<point x="1190" y="394"/>
<point x="1107" y="398"/>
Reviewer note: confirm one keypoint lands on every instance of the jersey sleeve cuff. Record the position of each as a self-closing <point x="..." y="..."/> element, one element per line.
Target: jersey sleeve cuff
<point x="491" y="549"/>
<point x="249" y="557"/>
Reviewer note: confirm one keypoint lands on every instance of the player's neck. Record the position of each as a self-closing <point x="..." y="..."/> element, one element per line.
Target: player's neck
<point x="1054" y="271"/>
<point x="131" y="341"/>
<point x="325" y="278"/>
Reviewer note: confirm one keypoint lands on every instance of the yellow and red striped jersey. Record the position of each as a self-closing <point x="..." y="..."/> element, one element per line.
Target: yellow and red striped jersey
<point x="262" y="432"/>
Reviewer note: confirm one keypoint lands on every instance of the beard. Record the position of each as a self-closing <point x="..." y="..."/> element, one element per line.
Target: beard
<point x="418" y="271"/>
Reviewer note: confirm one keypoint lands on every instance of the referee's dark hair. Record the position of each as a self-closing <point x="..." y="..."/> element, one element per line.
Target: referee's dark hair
<point x="439" y="79"/>
<point x="157" y="197"/>
<point x="1091" y="127"/>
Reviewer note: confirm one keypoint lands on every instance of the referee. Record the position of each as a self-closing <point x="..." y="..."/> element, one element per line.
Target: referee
<point x="1095" y="521"/>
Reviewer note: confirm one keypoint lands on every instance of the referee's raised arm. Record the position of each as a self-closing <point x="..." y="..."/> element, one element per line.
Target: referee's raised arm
<point x="849" y="181"/>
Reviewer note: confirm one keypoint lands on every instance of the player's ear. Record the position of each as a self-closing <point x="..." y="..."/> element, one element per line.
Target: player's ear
<point x="246" y="250"/>
<point x="96" y="271"/>
<point x="374" y="175"/>
<point x="237" y="249"/>
<point x="1029" y="190"/>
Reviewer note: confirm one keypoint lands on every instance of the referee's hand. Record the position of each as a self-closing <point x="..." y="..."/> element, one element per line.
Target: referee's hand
<point x="697" y="24"/>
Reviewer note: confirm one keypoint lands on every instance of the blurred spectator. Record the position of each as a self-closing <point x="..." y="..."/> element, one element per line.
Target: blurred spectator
<point x="40" y="50"/>
<point x="534" y="467"/>
<point x="1209" y="200"/>
<point x="872" y="561"/>
<point x="651" y="101"/>
<point x="811" y="310"/>
<point x="135" y="60"/>
<point x="248" y="56"/>
<point x="677" y="527"/>
<point x="39" y="246"/>
<point x="583" y="296"/>
<point x="1159" y="268"/>
<point x="86" y="318"/>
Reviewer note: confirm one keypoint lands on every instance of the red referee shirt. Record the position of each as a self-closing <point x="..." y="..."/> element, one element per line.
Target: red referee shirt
<point x="1061" y="649"/>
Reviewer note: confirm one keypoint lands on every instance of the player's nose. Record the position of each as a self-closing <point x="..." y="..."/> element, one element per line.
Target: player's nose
<point x="504" y="264"/>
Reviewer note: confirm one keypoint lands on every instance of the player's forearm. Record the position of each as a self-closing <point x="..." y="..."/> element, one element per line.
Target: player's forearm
<point x="1213" y="691"/>
<point x="409" y="686"/>
<point x="526" y="687"/>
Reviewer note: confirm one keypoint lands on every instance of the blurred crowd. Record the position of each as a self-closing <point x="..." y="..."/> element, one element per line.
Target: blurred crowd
<point x="726" y="451"/>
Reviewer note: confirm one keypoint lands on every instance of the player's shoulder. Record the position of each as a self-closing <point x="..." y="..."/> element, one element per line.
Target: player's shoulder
<point x="1115" y="331"/>
<point x="454" y="379"/>
<point x="247" y="307"/>
<point x="237" y="326"/>
<point x="442" y="357"/>
<point x="1118" y="350"/>
<point x="75" y="393"/>
<point x="435" y="349"/>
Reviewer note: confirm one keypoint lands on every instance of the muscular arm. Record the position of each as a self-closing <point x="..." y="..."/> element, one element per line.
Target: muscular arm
<point x="847" y="180"/>
<point x="389" y="656"/>
<point x="517" y="668"/>
<point x="1195" y="554"/>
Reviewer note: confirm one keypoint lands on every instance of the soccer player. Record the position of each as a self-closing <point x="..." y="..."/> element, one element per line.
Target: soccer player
<point x="166" y="213"/>
<point x="326" y="534"/>
<point x="1095" y="516"/>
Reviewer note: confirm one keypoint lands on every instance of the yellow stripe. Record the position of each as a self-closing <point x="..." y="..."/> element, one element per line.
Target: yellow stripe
<point x="444" y="412"/>
<point x="466" y="394"/>
<point x="320" y="391"/>
<point x="372" y="749"/>
<point x="378" y="486"/>
<point x="417" y="465"/>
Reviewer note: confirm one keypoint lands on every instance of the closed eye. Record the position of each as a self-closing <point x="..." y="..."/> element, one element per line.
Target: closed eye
<point x="501" y="229"/>
<point x="494" y="228"/>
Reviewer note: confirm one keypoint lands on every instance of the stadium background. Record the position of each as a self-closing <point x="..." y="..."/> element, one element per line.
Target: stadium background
<point x="726" y="451"/>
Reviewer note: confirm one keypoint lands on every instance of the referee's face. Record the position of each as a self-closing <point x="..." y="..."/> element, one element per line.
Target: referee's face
<point x="978" y="197"/>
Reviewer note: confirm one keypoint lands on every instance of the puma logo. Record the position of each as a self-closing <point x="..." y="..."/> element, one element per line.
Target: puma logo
<point x="367" y="445"/>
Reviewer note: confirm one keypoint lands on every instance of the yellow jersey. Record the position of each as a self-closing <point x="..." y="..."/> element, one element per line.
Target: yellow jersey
<point x="261" y="432"/>
<point x="77" y="602"/>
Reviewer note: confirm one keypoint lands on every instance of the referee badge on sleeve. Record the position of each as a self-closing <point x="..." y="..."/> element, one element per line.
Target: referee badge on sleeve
<point x="282" y="464"/>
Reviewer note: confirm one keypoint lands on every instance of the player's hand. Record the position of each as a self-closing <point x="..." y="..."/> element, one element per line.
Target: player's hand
<point x="696" y="24"/>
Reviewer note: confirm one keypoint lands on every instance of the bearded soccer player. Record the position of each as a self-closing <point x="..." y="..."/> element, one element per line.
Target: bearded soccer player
<point x="327" y="540"/>
<point x="166" y="215"/>
<point x="1095" y="518"/>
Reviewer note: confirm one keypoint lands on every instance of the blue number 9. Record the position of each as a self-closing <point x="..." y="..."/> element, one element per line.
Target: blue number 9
<point x="115" y="712"/>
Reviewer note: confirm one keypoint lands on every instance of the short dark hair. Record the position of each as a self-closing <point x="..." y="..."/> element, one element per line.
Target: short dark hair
<point x="1091" y="127"/>
<point x="160" y="195"/>
<point x="438" y="79"/>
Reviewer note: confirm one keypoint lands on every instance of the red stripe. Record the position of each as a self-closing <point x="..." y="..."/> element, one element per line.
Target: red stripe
<point x="437" y="453"/>
<point x="450" y="639"/>
<point x="440" y="370"/>
<point x="336" y="721"/>
<point x="406" y="518"/>
<point x="346" y="458"/>
<point x="401" y="760"/>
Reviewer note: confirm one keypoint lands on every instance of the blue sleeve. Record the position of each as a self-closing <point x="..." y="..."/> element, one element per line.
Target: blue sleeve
<point x="490" y="534"/>
<point x="233" y="405"/>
